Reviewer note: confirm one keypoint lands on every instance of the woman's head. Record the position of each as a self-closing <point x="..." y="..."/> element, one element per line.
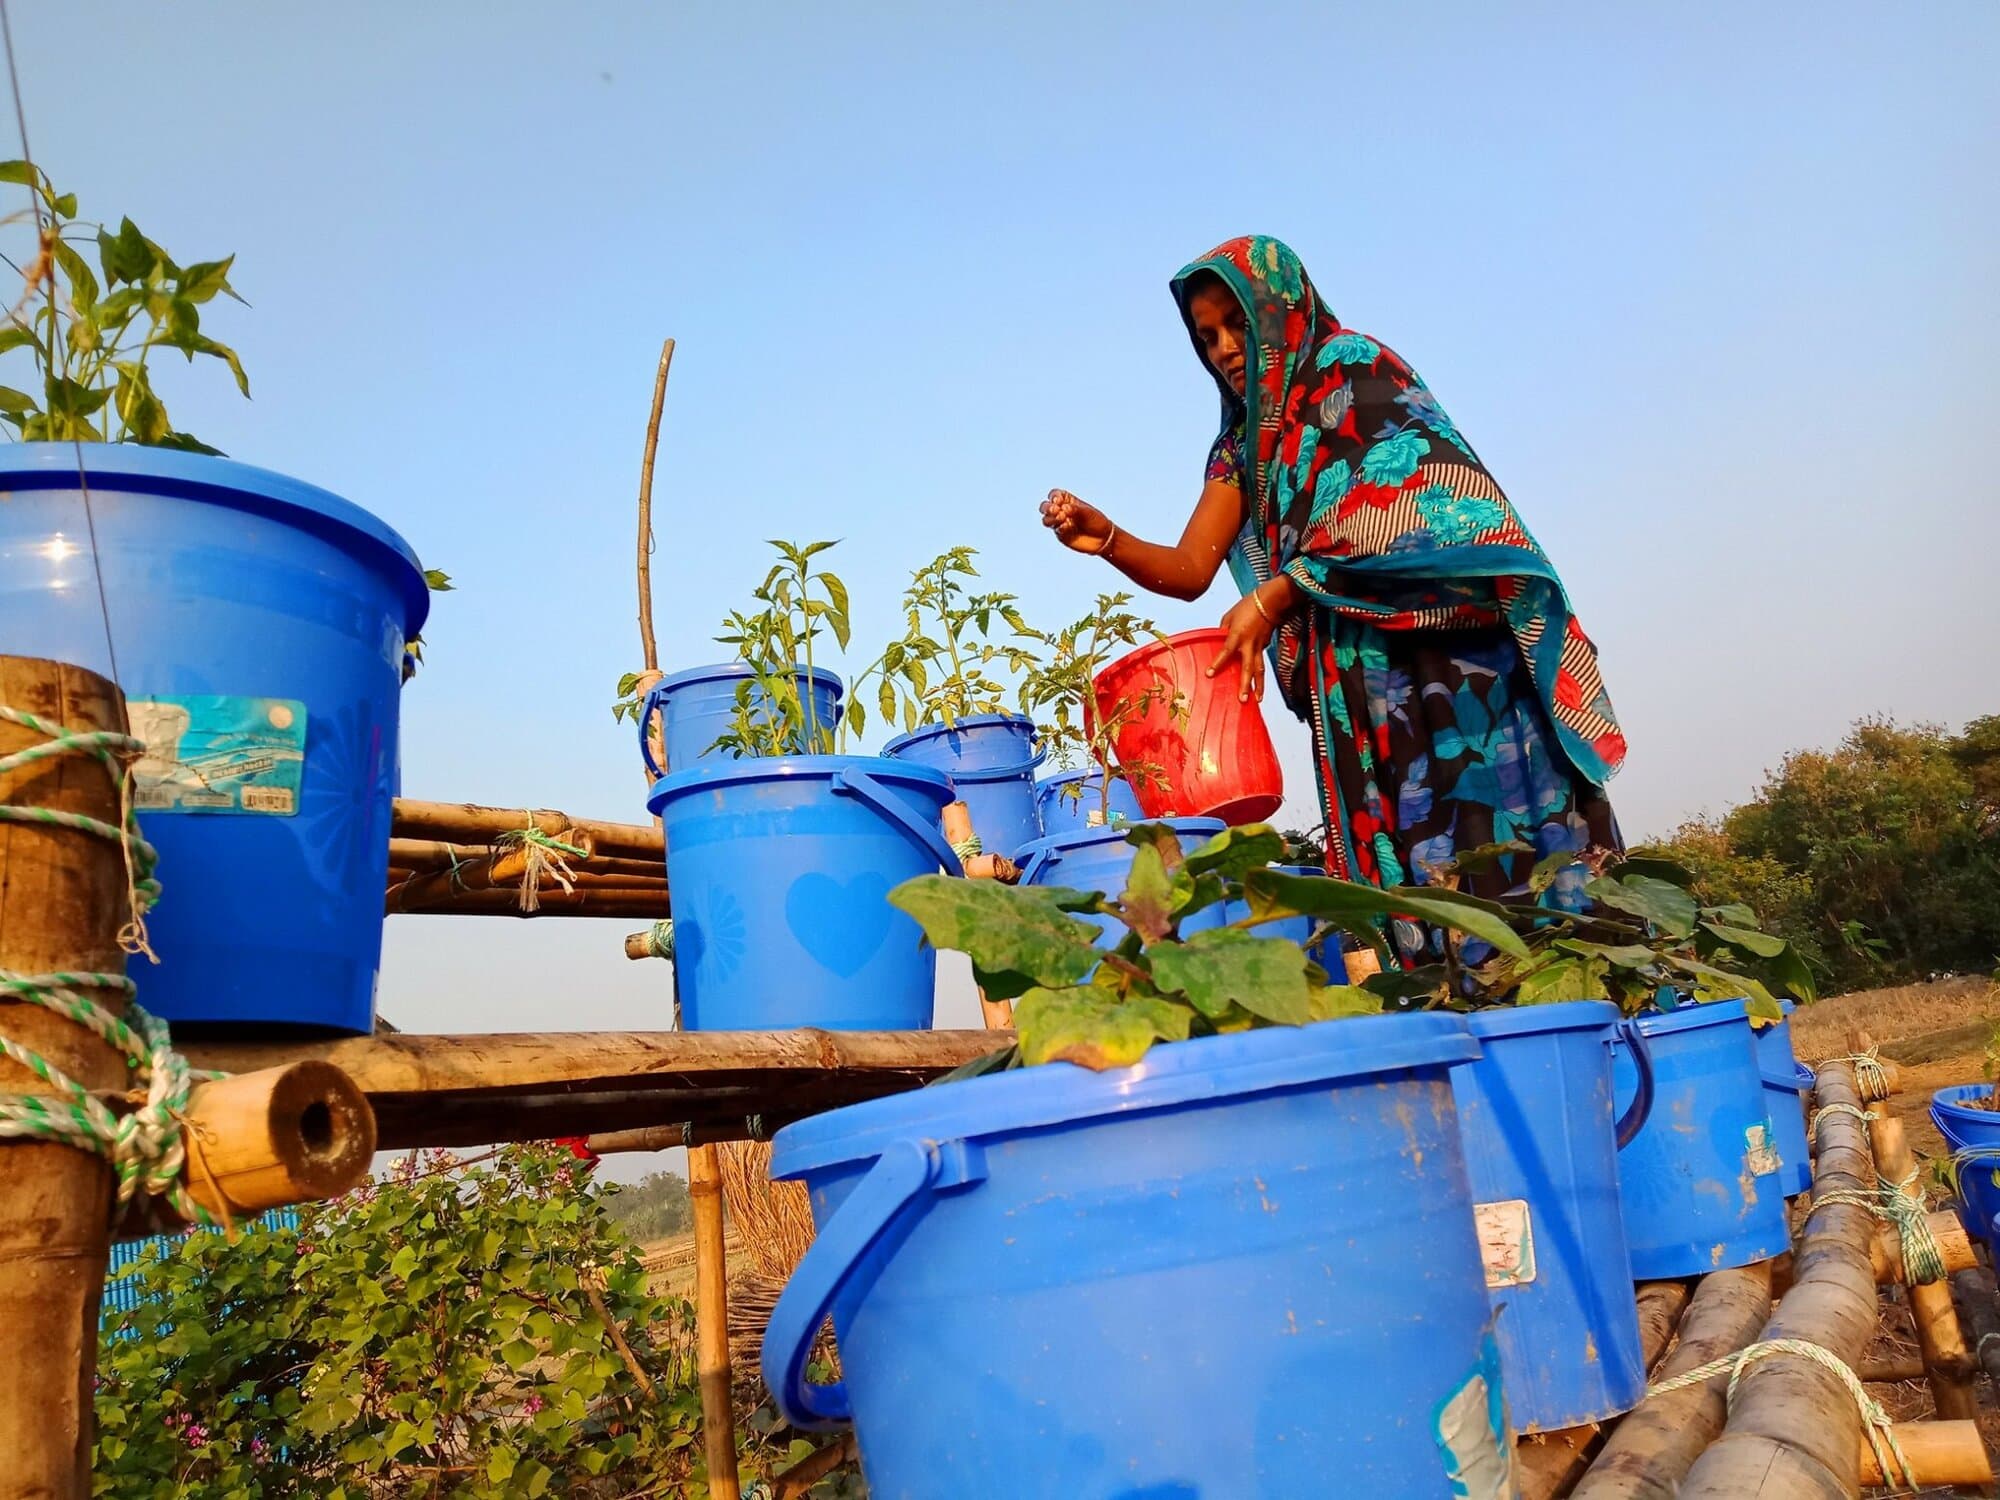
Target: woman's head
<point x="1215" y="316"/>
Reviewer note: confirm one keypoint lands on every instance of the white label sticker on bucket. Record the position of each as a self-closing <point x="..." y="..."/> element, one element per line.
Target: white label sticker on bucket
<point x="1506" y="1241"/>
<point x="216" y="754"/>
<point x="1760" y="1151"/>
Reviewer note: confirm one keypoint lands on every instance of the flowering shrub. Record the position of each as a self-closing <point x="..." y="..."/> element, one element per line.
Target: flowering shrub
<point x="447" y="1330"/>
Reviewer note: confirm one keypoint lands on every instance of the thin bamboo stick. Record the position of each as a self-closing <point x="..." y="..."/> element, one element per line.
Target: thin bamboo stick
<point x="1794" y="1432"/>
<point x="647" y="1138"/>
<point x="469" y="823"/>
<point x="651" y="648"/>
<point x="1938" y="1334"/>
<point x="712" y="1321"/>
<point x="1940" y="1453"/>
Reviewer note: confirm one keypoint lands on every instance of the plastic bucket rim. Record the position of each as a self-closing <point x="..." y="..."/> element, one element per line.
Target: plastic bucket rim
<point x="1078" y="773"/>
<point x="1693" y="1017"/>
<point x="714" y="775"/>
<point x="1945" y="1110"/>
<point x="211" y="478"/>
<point x="964" y="721"/>
<point x="729" y="671"/>
<point x="1071" y="839"/>
<point x="1536" y="1020"/>
<point x="1262" y="1061"/>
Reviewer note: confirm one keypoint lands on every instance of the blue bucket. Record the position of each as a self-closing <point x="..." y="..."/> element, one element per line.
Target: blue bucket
<point x="1541" y="1147"/>
<point x="1700" y="1183"/>
<point x="1237" y="1268"/>
<point x="991" y="760"/>
<point x="697" y="707"/>
<point x="1100" y="859"/>
<point x="1978" y="1131"/>
<point x="1782" y="1097"/>
<point x="1064" y="812"/>
<point x="258" y="625"/>
<point x="780" y="872"/>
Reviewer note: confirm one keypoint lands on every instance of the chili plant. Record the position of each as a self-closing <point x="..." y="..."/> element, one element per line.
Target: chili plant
<point x="1058" y="692"/>
<point x="92" y="341"/>
<point x="798" y="605"/>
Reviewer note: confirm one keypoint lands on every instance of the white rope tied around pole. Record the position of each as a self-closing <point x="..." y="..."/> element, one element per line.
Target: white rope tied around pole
<point x="1874" y="1420"/>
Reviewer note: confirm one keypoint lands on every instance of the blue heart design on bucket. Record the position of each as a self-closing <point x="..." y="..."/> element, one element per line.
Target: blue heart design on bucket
<point x="841" y="923"/>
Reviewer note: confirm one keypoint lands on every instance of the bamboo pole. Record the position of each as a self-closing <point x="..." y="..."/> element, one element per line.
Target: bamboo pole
<point x="62" y="901"/>
<point x="1938" y="1334"/>
<point x="643" y="902"/>
<point x="647" y="1138"/>
<point x="1974" y="1289"/>
<point x="1952" y="1241"/>
<point x="1890" y="1369"/>
<point x="1651" y="1451"/>
<point x="957" y="823"/>
<point x="797" y="1481"/>
<point x="1794" y="1432"/>
<point x="646" y="509"/>
<point x="469" y="823"/>
<point x="1940" y="1453"/>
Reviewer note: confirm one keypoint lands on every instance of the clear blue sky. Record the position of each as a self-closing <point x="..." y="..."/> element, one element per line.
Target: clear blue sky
<point x="1712" y="288"/>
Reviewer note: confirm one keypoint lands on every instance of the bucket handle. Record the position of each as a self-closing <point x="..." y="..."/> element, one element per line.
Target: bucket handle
<point x="1033" y="867"/>
<point x="1641" y="1107"/>
<point x="999" y="773"/>
<point x="651" y="704"/>
<point x="860" y="785"/>
<point x="900" y="1174"/>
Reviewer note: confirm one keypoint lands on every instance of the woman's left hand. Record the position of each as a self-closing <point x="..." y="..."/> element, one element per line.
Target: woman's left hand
<point x="1249" y="630"/>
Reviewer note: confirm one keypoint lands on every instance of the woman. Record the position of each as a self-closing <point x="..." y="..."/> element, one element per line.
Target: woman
<point x="1410" y="618"/>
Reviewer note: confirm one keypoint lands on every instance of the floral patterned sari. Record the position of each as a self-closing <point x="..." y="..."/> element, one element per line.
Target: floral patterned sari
<point x="1453" y="699"/>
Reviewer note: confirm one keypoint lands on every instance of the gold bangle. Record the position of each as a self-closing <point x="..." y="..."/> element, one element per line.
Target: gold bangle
<point x="1110" y="537"/>
<point x="1257" y="598"/>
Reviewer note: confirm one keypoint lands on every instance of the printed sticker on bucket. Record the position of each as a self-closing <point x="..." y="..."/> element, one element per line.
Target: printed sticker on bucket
<point x="1506" y="1241"/>
<point x="1471" y="1431"/>
<point x="1760" y="1150"/>
<point x="219" y="754"/>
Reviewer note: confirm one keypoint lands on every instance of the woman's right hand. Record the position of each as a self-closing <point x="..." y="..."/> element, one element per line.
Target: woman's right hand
<point x="1078" y="526"/>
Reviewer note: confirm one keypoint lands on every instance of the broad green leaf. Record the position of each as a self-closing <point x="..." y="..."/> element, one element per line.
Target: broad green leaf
<point x="1235" y="852"/>
<point x="1665" y="905"/>
<point x="1623" y="955"/>
<point x="1712" y="983"/>
<point x="25" y="173"/>
<point x="1336" y="1002"/>
<point x="1483" y="857"/>
<point x="17" y="337"/>
<point x="1749" y="939"/>
<point x="1735" y="913"/>
<point x="1093" y="1028"/>
<point x="1547" y="868"/>
<point x="1197" y="892"/>
<point x="64" y="206"/>
<point x="500" y="1465"/>
<point x="1565" y="979"/>
<point x="1005" y="929"/>
<point x="1353" y="906"/>
<point x="1405" y="985"/>
<point x="15" y="402"/>
<point x="187" y="442"/>
<point x="1654" y="868"/>
<point x="1147" y="899"/>
<point x="1266" y="976"/>
<point x="202" y="280"/>
<point x="439" y="582"/>
<point x="83" y="288"/>
<point x="1159" y="837"/>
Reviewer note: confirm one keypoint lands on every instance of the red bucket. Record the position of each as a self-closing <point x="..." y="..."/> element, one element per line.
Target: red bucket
<point x="1220" y="763"/>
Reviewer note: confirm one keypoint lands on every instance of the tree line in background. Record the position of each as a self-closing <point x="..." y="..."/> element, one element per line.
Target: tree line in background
<point x="1879" y="859"/>
<point x="656" y="1207"/>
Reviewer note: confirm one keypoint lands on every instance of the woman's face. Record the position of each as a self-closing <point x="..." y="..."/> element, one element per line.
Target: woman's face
<point x="1219" y="329"/>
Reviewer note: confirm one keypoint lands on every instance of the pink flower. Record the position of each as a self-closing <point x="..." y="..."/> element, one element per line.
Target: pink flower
<point x="534" y="1403"/>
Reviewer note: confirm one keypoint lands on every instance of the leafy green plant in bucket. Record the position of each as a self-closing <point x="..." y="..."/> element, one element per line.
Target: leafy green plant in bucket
<point x="1058" y="691"/>
<point x="952" y="628"/>
<point x="1076" y="1002"/>
<point x="92" y="340"/>
<point x="797" y="604"/>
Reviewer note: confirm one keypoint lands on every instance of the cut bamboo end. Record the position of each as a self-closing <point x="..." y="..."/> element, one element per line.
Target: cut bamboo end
<point x="640" y="945"/>
<point x="645" y="1138"/>
<point x="993" y="867"/>
<point x="1940" y="1453"/>
<point x="998" y="1014"/>
<point x="1952" y="1241"/>
<point x="956" y="820"/>
<point x="261" y="1140"/>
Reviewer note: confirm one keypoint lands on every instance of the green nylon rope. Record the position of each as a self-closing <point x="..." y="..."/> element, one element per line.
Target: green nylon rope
<point x="967" y="847"/>
<point x="660" y="939"/>
<point x="1923" y="1257"/>
<point x="1871" y="1080"/>
<point x="535" y="836"/>
<point x="1863" y="1115"/>
<point x="1874" y="1420"/>
<point x="145" y="1147"/>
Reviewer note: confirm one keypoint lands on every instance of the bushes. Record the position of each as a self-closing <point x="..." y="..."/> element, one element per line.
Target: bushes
<point x="445" y="1331"/>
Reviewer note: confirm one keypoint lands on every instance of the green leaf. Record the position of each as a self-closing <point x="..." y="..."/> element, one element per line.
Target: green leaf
<point x="1092" y="1027"/>
<point x="500" y="1465"/>
<point x="1547" y="868"/>
<point x="1654" y="868"/>
<point x="1405" y="986"/>
<point x="1266" y="976"/>
<point x="1712" y="983"/>
<point x="1752" y="941"/>
<point x="83" y="288"/>
<point x="1735" y="913"/>
<point x="202" y="280"/>
<point x="1667" y="906"/>
<point x="1161" y="839"/>
<point x="439" y="582"/>
<point x="15" y="402"/>
<point x="1482" y="857"/>
<point x="1235" y="852"/>
<point x="1623" y="955"/>
<point x="1147" y="900"/>
<point x="886" y="700"/>
<point x="519" y="1354"/>
<point x="1336" y="1002"/>
<point x="1006" y="930"/>
<point x="1354" y="906"/>
<point x="64" y="206"/>
<point x="403" y="1262"/>
<point x="1565" y="979"/>
<point x="16" y="337"/>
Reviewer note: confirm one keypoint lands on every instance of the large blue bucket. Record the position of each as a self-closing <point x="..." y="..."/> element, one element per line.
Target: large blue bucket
<point x="1700" y="1184"/>
<point x="1073" y="812"/>
<point x="698" y="706"/>
<point x="1976" y="1131"/>
<point x="1243" y="1267"/>
<point x="258" y="626"/>
<point x="1784" y="1081"/>
<point x="1100" y="859"/>
<point x="780" y="872"/>
<point x="991" y="760"/>
<point x="1541" y="1146"/>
